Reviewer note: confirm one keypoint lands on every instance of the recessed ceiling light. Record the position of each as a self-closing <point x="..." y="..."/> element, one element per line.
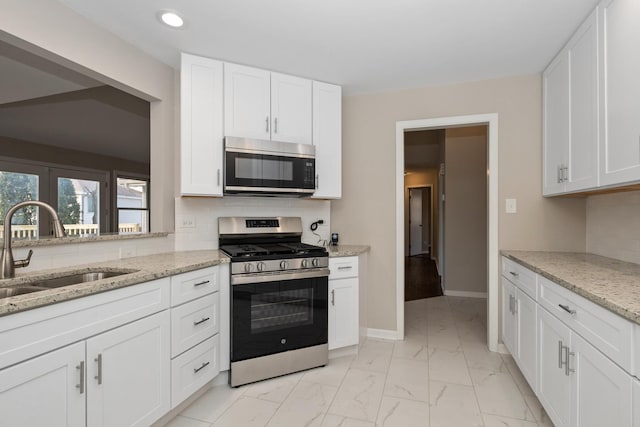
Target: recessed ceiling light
<point x="171" y="18"/>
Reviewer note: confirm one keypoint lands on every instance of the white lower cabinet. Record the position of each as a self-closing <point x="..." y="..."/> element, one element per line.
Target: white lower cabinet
<point x="128" y="374"/>
<point x="636" y="403"/>
<point x="193" y="369"/>
<point x="45" y="391"/>
<point x="343" y="302"/>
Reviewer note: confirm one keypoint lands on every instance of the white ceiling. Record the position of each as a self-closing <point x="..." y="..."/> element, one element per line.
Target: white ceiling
<point x="364" y="45"/>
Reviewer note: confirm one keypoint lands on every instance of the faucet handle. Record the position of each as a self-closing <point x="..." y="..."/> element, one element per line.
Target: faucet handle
<point x="23" y="262"/>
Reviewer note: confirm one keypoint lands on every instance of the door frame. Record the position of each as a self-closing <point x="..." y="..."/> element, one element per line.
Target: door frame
<point x="430" y="187"/>
<point x="491" y="121"/>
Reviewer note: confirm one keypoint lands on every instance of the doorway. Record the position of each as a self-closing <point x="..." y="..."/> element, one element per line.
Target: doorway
<point x="491" y="261"/>
<point x="419" y="220"/>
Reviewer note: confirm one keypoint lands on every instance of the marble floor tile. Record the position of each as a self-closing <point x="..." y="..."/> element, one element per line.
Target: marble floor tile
<point x="499" y="395"/>
<point x="408" y="379"/>
<point x="516" y="374"/>
<point x="331" y="374"/>
<point x="374" y="355"/>
<point x="273" y="390"/>
<point x="213" y="403"/>
<point x="396" y="412"/>
<point x="411" y="348"/>
<point x="453" y="405"/>
<point x="496" y="421"/>
<point x="331" y="420"/>
<point x="181" y="421"/>
<point x="247" y="412"/>
<point x="305" y="406"/>
<point x="359" y="395"/>
<point x="448" y="366"/>
<point x="478" y="356"/>
<point x="444" y="337"/>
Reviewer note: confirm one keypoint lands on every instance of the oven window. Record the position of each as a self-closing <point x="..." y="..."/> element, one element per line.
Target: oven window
<point x="281" y="309"/>
<point x="261" y="168"/>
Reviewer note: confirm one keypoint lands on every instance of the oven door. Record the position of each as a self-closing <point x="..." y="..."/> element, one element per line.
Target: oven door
<point x="278" y="315"/>
<point x="268" y="173"/>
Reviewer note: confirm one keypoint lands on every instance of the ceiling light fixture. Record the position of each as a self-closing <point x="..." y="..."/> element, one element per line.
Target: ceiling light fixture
<point x="170" y="18"/>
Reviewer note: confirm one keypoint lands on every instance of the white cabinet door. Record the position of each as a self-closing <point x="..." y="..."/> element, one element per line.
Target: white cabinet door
<point x="343" y="312"/>
<point x="201" y="118"/>
<point x="554" y="386"/>
<point x="45" y="391"/>
<point x="555" y="111"/>
<point x="129" y="375"/>
<point x="636" y="403"/>
<point x="619" y="92"/>
<point x="601" y="390"/>
<point x="290" y="109"/>
<point x="327" y="138"/>
<point x="526" y="337"/>
<point x="582" y="172"/>
<point x="247" y="102"/>
<point x="509" y="318"/>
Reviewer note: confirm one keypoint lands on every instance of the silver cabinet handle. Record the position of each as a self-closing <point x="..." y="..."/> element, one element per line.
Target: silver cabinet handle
<point x="515" y="306"/>
<point x="81" y="385"/>
<point x="514" y="274"/>
<point x="346" y="267"/>
<point x="567" y="369"/>
<point x="218" y="177"/>
<point x="333" y="297"/>
<point x="567" y="309"/>
<point x="560" y="348"/>
<point x="275" y="125"/>
<point x="559" y="174"/>
<point x="267" y="121"/>
<point x="204" y="365"/>
<point x="201" y="321"/>
<point x="566" y="173"/>
<point x="317" y="181"/>
<point x="99" y="361"/>
<point x="201" y="283"/>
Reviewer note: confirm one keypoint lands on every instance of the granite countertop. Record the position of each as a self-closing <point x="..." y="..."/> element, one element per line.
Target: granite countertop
<point x="68" y="240"/>
<point x="143" y="269"/>
<point x="347" y="250"/>
<point x="608" y="282"/>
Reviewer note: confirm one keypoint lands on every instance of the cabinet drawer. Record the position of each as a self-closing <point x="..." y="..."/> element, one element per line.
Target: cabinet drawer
<point x="522" y="277"/>
<point x="194" y="284"/>
<point x="608" y="332"/>
<point x="193" y="322"/>
<point x="193" y="369"/>
<point x="343" y="267"/>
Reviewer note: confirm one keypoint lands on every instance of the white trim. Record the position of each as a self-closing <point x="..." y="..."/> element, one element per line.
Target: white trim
<point x="466" y="294"/>
<point x="502" y="349"/>
<point x="385" y="334"/>
<point x="491" y="120"/>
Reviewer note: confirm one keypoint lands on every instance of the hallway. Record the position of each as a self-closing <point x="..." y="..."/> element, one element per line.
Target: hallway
<point x="441" y="375"/>
<point x="421" y="279"/>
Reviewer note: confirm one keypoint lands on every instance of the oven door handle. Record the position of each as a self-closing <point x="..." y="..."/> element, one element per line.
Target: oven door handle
<point x="246" y="279"/>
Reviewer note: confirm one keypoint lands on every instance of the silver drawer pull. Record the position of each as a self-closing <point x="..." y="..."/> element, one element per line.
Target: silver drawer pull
<point x="98" y="360"/>
<point x="348" y="267"/>
<point x="204" y="365"/>
<point x="514" y="274"/>
<point x="81" y="385"/>
<point x="567" y="309"/>
<point x="201" y="283"/>
<point x="560" y="361"/>
<point x="201" y="321"/>
<point x="567" y="368"/>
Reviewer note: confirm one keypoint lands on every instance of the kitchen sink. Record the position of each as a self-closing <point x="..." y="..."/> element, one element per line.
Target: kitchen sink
<point x="11" y="291"/>
<point x="75" y="279"/>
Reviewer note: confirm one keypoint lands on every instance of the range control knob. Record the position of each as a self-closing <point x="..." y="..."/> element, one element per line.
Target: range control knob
<point x="305" y="263"/>
<point x="261" y="265"/>
<point x="248" y="267"/>
<point x="283" y="265"/>
<point x="315" y="262"/>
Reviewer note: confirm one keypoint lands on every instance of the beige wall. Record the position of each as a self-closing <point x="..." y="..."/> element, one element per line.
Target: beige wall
<point x="366" y="212"/>
<point x="420" y="179"/>
<point x="465" y="210"/>
<point x="50" y="29"/>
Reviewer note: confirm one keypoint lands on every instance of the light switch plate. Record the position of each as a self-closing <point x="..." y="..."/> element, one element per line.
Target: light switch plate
<point x="511" y="206"/>
<point x="187" y="221"/>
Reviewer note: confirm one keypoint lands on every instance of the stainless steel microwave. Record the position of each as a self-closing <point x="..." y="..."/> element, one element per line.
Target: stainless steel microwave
<point x="259" y="167"/>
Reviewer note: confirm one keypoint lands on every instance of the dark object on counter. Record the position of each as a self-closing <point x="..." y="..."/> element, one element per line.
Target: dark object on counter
<point x="334" y="239"/>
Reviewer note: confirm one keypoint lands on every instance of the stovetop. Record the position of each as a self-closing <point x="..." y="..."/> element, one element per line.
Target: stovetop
<point x="255" y="251"/>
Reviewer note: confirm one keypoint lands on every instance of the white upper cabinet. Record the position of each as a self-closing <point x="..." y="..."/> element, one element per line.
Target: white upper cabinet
<point x="264" y="105"/>
<point x="290" y="109"/>
<point x="201" y="126"/>
<point x="247" y="102"/>
<point x="620" y="92"/>
<point x="327" y="138"/>
<point x="570" y="114"/>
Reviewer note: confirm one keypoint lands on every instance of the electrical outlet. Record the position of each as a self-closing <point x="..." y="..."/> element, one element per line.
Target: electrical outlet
<point x="187" y="221"/>
<point x="127" y="251"/>
<point x="511" y="206"/>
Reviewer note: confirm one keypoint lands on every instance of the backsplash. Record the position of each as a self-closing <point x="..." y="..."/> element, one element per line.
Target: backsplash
<point x="613" y="225"/>
<point x="197" y="218"/>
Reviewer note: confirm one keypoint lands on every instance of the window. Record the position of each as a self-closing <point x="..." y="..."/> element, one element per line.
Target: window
<point x="17" y="187"/>
<point x="132" y="203"/>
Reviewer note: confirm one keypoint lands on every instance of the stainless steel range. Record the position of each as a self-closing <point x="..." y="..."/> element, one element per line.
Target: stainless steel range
<point x="279" y="298"/>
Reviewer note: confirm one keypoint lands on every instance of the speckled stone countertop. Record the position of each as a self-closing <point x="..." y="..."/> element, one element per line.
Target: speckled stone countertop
<point x="608" y="282"/>
<point x="347" y="250"/>
<point x="50" y="241"/>
<point x="143" y="269"/>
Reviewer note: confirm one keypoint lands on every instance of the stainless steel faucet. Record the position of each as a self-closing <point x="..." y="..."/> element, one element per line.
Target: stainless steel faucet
<point x="7" y="264"/>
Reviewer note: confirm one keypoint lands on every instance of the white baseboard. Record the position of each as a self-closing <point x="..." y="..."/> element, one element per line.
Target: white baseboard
<point x="466" y="294"/>
<point x="384" y="334"/>
<point x="345" y="351"/>
<point x="502" y="349"/>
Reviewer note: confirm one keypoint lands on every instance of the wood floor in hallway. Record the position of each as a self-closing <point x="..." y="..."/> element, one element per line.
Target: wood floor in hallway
<point x="421" y="279"/>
